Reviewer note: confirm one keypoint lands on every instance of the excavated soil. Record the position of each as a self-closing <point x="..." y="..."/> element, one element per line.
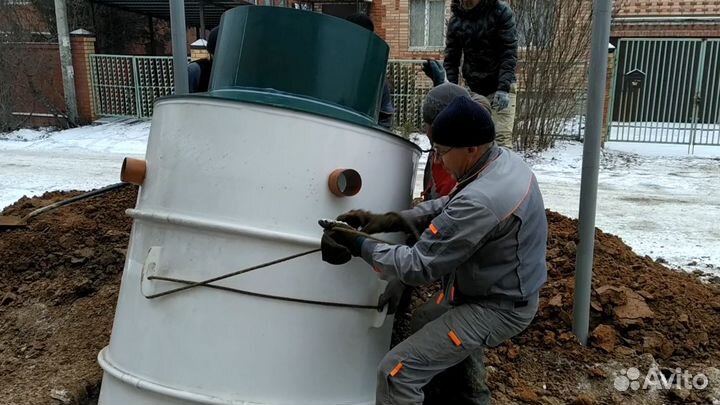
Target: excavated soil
<point x="60" y="276"/>
<point x="59" y="280"/>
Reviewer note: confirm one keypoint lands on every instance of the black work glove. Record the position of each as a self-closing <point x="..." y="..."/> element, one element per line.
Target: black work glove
<point x="391" y="297"/>
<point x="435" y="71"/>
<point x="338" y="246"/>
<point x="368" y="222"/>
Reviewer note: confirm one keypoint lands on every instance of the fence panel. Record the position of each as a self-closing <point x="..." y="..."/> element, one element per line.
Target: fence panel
<point x="409" y="87"/>
<point x="113" y="85"/>
<point x="666" y="91"/>
<point x="708" y="114"/>
<point x="154" y="80"/>
<point x="129" y="85"/>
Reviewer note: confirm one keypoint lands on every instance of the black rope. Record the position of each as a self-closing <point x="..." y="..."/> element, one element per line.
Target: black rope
<point x="274" y="297"/>
<point x="206" y="283"/>
<point x="228" y="275"/>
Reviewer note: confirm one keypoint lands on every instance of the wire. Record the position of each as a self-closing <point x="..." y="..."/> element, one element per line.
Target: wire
<point x="228" y="275"/>
<point x="274" y="297"/>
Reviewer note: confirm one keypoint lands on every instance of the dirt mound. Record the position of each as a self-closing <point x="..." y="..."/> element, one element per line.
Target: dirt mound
<point x="58" y="287"/>
<point x="643" y="315"/>
<point x="59" y="280"/>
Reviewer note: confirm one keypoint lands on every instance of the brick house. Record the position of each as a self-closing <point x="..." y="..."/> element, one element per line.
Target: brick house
<point x="415" y="29"/>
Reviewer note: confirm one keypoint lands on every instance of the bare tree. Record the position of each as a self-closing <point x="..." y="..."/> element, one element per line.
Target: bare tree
<point x="552" y="73"/>
<point x="117" y="31"/>
<point x="18" y="26"/>
<point x="25" y="85"/>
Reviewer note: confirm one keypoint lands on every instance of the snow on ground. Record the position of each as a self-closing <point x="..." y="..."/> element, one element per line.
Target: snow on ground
<point x="660" y="200"/>
<point x="663" y="202"/>
<point x="35" y="161"/>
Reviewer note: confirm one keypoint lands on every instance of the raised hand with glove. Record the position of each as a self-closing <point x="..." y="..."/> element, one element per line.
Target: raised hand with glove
<point x="501" y="100"/>
<point x="435" y="71"/>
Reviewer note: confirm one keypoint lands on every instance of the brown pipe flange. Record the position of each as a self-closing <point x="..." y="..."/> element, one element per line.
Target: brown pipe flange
<point x="344" y="182"/>
<point x="133" y="171"/>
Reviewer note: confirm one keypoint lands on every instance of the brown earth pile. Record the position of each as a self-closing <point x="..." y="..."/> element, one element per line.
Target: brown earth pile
<point x="59" y="280"/>
<point x="643" y="315"/>
<point x="58" y="287"/>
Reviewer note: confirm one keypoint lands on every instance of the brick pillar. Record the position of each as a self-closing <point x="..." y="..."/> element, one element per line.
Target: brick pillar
<point x="608" y="90"/>
<point x="82" y="44"/>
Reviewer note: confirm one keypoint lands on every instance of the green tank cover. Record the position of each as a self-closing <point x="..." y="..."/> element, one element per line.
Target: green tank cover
<point x="300" y="60"/>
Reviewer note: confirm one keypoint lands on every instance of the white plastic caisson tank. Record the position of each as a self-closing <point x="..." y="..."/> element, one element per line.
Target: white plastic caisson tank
<point x="238" y="177"/>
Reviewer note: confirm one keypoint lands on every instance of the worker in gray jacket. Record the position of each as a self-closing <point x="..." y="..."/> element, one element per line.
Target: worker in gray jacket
<point x="486" y="241"/>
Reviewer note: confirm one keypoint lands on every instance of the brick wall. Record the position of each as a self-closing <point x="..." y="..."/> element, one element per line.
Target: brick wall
<point x="36" y="82"/>
<point x="688" y="30"/>
<point x="37" y="96"/>
<point x="392" y="18"/>
<point x="667" y="28"/>
<point x="639" y="8"/>
<point x="392" y="23"/>
<point x="83" y="45"/>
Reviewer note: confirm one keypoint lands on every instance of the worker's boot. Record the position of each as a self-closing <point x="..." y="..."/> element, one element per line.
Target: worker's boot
<point x="474" y="389"/>
<point x="463" y="384"/>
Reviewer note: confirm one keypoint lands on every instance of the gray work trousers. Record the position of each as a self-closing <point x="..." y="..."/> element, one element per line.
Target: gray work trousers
<point x="449" y="336"/>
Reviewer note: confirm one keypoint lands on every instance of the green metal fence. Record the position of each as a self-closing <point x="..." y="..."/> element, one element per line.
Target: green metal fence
<point x="409" y="86"/>
<point x="666" y="91"/>
<point x="129" y="85"/>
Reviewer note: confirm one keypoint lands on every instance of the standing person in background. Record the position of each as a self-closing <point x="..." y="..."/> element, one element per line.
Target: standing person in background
<point x="387" y="109"/>
<point x="483" y="34"/>
<point x="199" y="70"/>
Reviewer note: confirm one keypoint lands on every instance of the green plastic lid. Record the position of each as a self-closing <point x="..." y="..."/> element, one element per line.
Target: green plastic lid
<point x="300" y="60"/>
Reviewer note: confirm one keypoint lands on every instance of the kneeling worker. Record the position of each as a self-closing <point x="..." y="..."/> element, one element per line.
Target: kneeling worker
<point x="486" y="241"/>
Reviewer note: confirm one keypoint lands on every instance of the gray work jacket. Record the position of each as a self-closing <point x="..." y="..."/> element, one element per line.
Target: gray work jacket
<point x="489" y="237"/>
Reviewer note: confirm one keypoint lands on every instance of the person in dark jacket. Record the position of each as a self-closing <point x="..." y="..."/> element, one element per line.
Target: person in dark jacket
<point x="387" y="109"/>
<point x="483" y="34"/>
<point x="199" y="70"/>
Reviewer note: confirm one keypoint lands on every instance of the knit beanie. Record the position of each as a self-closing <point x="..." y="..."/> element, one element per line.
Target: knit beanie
<point x="438" y="98"/>
<point x="463" y="123"/>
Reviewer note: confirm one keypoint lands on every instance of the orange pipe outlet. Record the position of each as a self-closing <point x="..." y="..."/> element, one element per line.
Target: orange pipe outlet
<point x="344" y="182"/>
<point x="133" y="171"/>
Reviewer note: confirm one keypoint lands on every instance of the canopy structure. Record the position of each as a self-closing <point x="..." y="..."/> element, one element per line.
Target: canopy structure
<point x="198" y="13"/>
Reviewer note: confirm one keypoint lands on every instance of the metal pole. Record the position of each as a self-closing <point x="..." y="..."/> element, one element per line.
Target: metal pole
<point x="201" y="4"/>
<point x="179" y="45"/>
<point x="68" y="74"/>
<point x="151" y="29"/>
<point x="591" y="163"/>
<point x="697" y="97"/>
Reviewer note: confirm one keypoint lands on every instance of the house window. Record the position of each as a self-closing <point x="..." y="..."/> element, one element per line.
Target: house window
<point x="427" y="24"/>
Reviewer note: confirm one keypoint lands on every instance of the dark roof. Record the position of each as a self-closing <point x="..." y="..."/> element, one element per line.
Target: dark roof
<point x="212" y="9"/>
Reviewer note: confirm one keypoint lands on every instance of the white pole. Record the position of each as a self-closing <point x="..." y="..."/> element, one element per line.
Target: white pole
<point x="590" y="167"/>
<point x="179" y="45"/>
<point x="68" y="74"/>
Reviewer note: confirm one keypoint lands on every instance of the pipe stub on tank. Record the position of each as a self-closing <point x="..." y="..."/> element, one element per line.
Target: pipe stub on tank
<point x="133" y="171"/>
<point x="344" y="182"/>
